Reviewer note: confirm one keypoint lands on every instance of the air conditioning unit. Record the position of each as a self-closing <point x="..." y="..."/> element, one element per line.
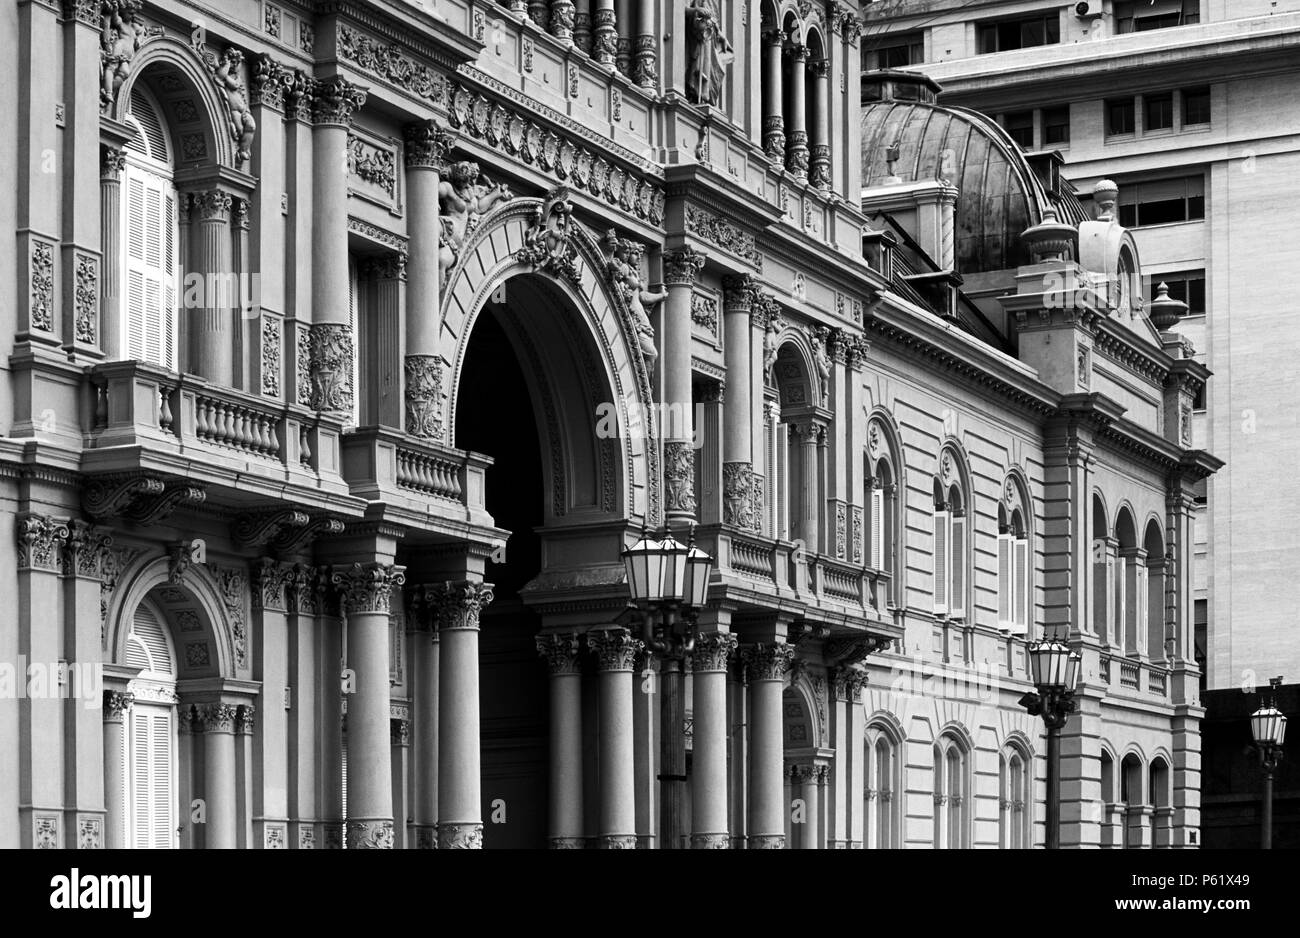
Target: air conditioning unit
<point x="1088" y="11"/>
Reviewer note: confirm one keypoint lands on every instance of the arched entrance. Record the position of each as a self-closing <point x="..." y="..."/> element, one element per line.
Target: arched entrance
<point x="547" y="378"/>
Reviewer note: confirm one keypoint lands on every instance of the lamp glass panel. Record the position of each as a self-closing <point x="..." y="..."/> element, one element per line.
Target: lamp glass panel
<point x="674" y="568"/>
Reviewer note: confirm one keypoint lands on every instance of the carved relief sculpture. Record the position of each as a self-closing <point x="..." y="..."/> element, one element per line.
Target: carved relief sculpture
<point x="708" y="53"/>
<point x="548" y="245"/>
<point x="331" y="367"/>
<point x="624" y="271"/>
<point x="239" y="114"/>
<point x="125" y="31"/>
<point x="463" y="197"/>
<point x="679" y="476"/>
<point x="821" y="356"/>
<point x="424" y="396"/>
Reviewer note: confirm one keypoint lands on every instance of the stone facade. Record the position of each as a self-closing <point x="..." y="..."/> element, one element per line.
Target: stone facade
<point x="544" y="202"/>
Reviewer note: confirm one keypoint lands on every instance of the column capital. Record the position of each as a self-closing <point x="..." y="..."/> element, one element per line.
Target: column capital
<point x="615" y="649"/>
<point x="560" y="652"/>
<point x="40" y="539"/>
<point x="116" y="704"/>
<point x="86" y="550"/>
<point x="270" y="579"/>
<point x="210" y="204"/>
<point x="214" y="717"/>
<point x="368" y="587"/>
<point x="335" y="101"/>
<point x="767" y="661"/>
<point x="245" y="719"/>
<point x="303" y="589"/>
<point x="270" y="82"/>
<point x="803" y="774"/>
<point x="112" y="160"/>
<point x="682" y="267"/>
<point x="848" y="683"/>
<point x="738" y="293"/>
<point x="712" y="651"/>
<point x="428" y="145"/>
<point x="399" y="732"/>
<point x="459" y="605"/>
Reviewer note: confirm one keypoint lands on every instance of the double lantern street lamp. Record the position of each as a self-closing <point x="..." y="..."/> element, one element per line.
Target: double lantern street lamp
<point x="1268" y="728"/>
<point x="669" y="583"/>
<point x="1055" y="670"/>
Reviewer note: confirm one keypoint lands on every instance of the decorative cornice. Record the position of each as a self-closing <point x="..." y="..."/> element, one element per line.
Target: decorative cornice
<point x="725" y="235"/>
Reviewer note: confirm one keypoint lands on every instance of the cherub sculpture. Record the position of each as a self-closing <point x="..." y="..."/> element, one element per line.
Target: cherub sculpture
<point x="242" y="125"/>
<point x="463" y="197"/>
<point x="625" y="274"/>
<point x="548" y="245"/>
<point x="123" y="34"/>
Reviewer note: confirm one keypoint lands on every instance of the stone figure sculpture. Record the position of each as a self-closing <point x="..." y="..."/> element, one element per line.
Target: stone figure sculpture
<point x="548" y="245"/>
<point x="770" y="345"/>
<point x="708" y="53"/>
<point x="124" y="32"/>
<point x="625" y="274"/>
<point x="822" y="358"/>
<point x="463" y="197"/>
<point x="242" y="125"/>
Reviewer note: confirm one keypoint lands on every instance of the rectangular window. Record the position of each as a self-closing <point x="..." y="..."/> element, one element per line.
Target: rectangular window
<point x="1162" y="202"/>
<point x="1186" y="286"/>
<point x="1196" y="106"/>
<point x="1041" y="29"/>
<point x="1020" y="126"/>
<point x="1158" y="111"/>
<point x="1119" y="117"/>
<point x="1056" y="125"/>
<point x="1135" y="16"/>
<point x="901" y="52"/>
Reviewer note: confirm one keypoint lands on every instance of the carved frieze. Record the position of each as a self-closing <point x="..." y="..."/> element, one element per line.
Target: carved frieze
<point x="424" y="396"/>
<point x="332" y="353"/>
<point x="389" y="62"/>
<point x="41" y="279"/>
<point x="372" y="164"/>
<point x="679" y="476"/>
<point x="725" y="235"/>
<point x="40" y="539"/>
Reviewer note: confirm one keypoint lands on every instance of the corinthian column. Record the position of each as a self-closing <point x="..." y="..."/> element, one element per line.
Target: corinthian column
<point x="709" y="714"/>
<point x="737" y="456"/>
<point x="565" y="819"/>
<point x="796" y="131"/>
<point x="460" y="818"/>
<point x="333" y="346"/>
<point x="767" y="665"/>
<point x="217" y="720"/>
<point x="215" y="337"/>
<point x="110" y="234"/>
<point x="116" y="706"/>
<point x="615" y="651"/>
<point x="820" y="171"/>
<point x="645" y="68"/>
<point x="604" y="47"/>
<point x="681" y="268"/>
<point x="561" y="24"/>
<point x="427" y="147"/>
<point x="773" y="122"/>
<point x="365" y="591"/>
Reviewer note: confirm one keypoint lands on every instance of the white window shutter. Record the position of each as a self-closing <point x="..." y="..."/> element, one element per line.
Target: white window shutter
<point x="149" y="313"/>
<point x="1006" y="589"/>
<point x="139" y="778"/>
<point x="941" y="561"/>
<point x="1021" y="584"/>
<point x="1141" y="607"/>
<point x="957" y="565"/>
<point x="161" y="772"/>
<point x="877" y="559"/>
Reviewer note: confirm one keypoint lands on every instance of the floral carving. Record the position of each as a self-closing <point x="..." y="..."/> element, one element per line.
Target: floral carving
<point x="86" y="298"/>
<point x="723" y="234"/>
<point x="332" y="352"/>
<point x="271" y="341"/>
<point x="737" y="491"/>
<point x="460" y="836"/>
<point x="389" y="62"/>
<point x="335" y="100"/>
<point x="372" y="164"/>
<point x="768" y="661"/>
<point x="615" y="649"/>
<point x="679" y="476"/>
<point x="424" y="396"/>
<point x="713" y="651"/>
<point x="368" y="587"/>
<point x="42" y="285"/>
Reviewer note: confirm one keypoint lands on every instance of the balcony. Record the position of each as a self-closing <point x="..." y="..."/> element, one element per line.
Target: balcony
<point x="1132" y="677"/>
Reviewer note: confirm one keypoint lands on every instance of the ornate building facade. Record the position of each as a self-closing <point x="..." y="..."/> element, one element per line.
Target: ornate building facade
<point x="351" y="343"/>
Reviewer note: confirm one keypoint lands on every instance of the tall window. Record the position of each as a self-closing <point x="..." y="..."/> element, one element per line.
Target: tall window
<point x="149" y="736"/>
<point x="952" y="797"/>
<point x="950" y="549"/>
<point x="151" y="260"/>
<point x="1015" y="804"/>
<point x="883" y="802"/>
<point x="1015" y="574"/>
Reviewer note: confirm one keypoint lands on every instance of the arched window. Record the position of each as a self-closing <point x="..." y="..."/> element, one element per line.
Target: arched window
<point x="951" y="540"/>
<point x="880" y="497"/>
<point x="951" y="794"/>
<point x="151" y="238"/>
<point x="1103" y="574"/>
<point x="149" y="736"/>
<point x="1131" y="591"/>
<point x="1131" y="791"/>
<point x="1015" y="817"/>
<point x="1015" y="573"/>
<point x="882" y="807"/>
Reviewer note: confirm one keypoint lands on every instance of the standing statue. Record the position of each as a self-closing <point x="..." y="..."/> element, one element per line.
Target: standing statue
<point x="464" y="195"/>
<point x="770" y="345"/>
<point x="242" y="125"/>
<point x="625" y="274"/>
<point x="822" y="358"/>
<point x="124" y="32"/>
<point x="708" y="53"/>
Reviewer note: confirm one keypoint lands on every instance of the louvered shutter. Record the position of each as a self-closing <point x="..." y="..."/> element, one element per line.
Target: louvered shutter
<point x="149" y="319"/>
<point x="354" y="322"/>
<point x="151" y="777"/>
<point x="1006" y="589"/>
<point x="877" y="559"/>
<point x="343" y="781"/>
<point x="161" y="775"/>
<point x="1021" y="585"/>
<point x="957" y="565"/>
<point x="941" y="561"/>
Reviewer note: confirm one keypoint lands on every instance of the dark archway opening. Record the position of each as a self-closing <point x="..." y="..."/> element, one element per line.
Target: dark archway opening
<point x="495" y="416"/>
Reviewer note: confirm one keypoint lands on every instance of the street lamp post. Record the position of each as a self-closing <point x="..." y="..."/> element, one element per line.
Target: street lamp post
<point x="1268" y="727"/>
<point x="1055" y="670"/>
<point x="669" y="582"/>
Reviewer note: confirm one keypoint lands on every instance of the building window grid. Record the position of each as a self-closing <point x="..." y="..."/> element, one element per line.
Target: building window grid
<point x="1026" y="32"/>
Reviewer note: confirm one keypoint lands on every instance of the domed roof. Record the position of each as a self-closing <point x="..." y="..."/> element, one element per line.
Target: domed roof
<point x="999" y="193"/>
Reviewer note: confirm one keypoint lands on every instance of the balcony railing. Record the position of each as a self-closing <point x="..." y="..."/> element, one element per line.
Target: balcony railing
<point x="384" y="464"/>
<point x="1120" y="673"/>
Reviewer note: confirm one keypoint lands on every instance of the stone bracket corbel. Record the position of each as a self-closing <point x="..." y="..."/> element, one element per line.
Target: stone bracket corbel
<point x="258" y="528"/>
<point x="293" y="538"/>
